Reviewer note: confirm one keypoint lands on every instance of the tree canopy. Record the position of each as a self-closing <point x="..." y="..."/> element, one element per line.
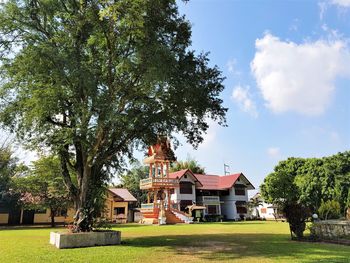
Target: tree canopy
<point x="43" y="187"/>
<point x="309" y="182"/>
<point x="9" y="168"/>
<point x="131" y="181"/>
<point x="91" y="80"/>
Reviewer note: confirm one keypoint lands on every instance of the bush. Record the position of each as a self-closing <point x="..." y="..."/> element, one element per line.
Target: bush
<point x="329" y="210"/>
<point x="213" y="218"/>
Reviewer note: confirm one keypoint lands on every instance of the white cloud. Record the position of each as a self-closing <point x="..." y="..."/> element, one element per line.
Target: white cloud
<point x="274" y="152"/>
<point x="323" y="7"/>
<point x="242" y="97"/>
<point x="341" y="3"/>
<point x="295" y="25"/>
<point x="232" y="67"/>
<point x="299" y="77"/>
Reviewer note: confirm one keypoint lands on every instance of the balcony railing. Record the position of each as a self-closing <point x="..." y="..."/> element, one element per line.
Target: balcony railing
<point x="158" y="182"/>
<point x="145" y="207"/>
<point x="208" y="199"/>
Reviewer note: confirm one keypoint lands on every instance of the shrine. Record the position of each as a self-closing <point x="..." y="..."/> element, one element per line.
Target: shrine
<point x="158" y="209"/>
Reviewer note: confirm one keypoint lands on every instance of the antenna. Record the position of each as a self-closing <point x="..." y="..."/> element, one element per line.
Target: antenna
<point x="226" y="169"/>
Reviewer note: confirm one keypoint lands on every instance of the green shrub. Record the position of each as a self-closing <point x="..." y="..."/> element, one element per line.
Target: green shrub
<point x="329" y="210"/>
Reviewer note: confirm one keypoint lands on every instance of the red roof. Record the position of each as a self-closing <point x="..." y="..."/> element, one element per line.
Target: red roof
<point x="123" y="194"/>
<point x="181" y="173"/>
<point x="217" y="182"/>
<point x="178" y="174"/>
<point x="211" y="182"/>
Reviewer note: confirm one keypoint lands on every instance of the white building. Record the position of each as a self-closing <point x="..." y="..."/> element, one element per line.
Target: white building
<point x="220" y="195"/>
<point x="265" y="210"/>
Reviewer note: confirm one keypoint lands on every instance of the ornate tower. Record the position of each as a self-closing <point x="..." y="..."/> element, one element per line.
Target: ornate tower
<point x="158" y="184"/>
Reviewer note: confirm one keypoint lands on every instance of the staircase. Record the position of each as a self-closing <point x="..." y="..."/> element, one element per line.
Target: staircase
<point x="183" y="216"/>
<point x="171" y="218"/>
<point x="151" y="216"/>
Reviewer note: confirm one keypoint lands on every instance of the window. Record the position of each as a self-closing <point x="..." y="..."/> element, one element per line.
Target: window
<point x="63" y="212"/>
<point x="225" y="193"/>
<point x="119" y="210"/>
<point x="3" y="209"/>
<point x="239" y="190"/>
<point x="263" y="210"/>
<point x="185" y="188"/>
<point x="212" y="210"/>
<point x="59" y="212"/>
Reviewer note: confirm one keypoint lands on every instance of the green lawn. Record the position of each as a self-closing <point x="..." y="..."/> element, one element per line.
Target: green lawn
<point x="211" y="242"/>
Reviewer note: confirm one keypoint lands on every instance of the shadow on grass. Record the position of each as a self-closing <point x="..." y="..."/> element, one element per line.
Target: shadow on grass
<point x="223" y="247"/>
<point x="128" y="225"/>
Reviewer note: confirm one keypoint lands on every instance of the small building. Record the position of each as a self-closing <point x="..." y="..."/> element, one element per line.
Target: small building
<point x="118" y="209"/>
<point x="119" y="205"/>
<point x="265" y="210"/>
<point x="20" y="216"/>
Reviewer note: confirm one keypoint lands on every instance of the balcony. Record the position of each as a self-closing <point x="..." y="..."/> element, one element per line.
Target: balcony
<point x="208" y="200"/>
<point x="150" y="183"/>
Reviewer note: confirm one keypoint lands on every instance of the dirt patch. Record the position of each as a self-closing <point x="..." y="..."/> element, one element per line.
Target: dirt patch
<point x="208" y="247"/>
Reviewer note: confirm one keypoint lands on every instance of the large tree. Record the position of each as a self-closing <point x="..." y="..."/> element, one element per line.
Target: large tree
<point x="301" y="185"/>
<point x="280" y="188"/>
<point x="91" y="80"/>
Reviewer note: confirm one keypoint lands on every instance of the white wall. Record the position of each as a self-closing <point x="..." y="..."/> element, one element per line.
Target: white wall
<point x="177" y="197"/>
<point x="228" y="207"/>
<point x="269" y="211"/>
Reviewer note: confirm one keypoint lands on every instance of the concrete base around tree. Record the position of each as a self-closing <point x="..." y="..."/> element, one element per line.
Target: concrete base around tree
<point x="86" y="239"/>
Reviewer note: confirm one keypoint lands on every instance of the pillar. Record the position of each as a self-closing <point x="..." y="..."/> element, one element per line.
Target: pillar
<point x="167" y="169"/>
<point x="169" y="199"/>
<point x="155" y="169"/>
<point x="150" y="170"/>
<point x="161" y="169"/>
<point x="155" y="198"/>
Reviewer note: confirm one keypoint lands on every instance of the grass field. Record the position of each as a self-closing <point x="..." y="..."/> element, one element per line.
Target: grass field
<point x="211" y="242"/>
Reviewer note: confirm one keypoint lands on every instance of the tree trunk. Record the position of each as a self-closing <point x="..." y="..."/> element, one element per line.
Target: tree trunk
<point x="83" y="218"/>
<point x="52" y="215"/>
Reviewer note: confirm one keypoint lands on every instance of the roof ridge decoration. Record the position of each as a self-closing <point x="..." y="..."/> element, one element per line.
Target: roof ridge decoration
<point x="161" y="151"/>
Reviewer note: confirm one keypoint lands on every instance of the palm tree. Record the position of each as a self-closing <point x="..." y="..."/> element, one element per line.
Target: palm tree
<point x="190" y="163"/>
<point x="254" y="203"/>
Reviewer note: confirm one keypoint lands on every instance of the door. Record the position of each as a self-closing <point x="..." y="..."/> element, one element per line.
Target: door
<point x="14" y="216"/>
<point x="28" y="217"/>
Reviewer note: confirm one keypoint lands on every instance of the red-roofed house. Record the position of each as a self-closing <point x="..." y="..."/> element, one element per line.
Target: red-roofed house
<point x="221" y="195"/>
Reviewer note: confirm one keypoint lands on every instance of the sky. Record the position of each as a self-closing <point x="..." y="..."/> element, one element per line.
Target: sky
<point x="287" y="69"/>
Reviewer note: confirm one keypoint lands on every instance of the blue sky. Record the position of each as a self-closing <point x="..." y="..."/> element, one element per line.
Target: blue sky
<point x="287" y="68"/>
